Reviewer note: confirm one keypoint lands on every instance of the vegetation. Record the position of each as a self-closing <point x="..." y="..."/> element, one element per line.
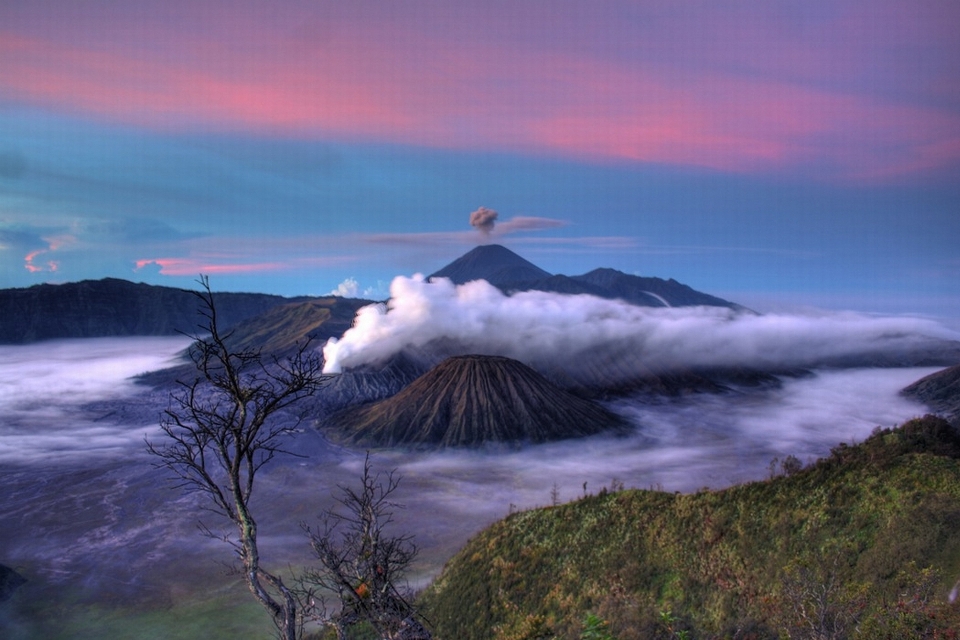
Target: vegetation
<point x="227" y="423"/>
<point x="363" y="565"/>
<point x="862" y="544"/>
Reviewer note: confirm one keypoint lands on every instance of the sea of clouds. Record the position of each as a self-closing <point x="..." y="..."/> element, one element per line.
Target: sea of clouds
<point x="93" y="516"/>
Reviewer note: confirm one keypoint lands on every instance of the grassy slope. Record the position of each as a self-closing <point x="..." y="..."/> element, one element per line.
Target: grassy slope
<point x="720" y="561"/>
<point x="282" y="328"/>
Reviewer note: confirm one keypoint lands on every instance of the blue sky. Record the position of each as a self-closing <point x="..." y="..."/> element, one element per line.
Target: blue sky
<point x="796" y="155"/>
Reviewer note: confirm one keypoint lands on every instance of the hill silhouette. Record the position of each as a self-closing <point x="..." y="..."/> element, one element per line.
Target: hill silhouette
<point x="113" y="307"/>
<point x="471" y="400"/>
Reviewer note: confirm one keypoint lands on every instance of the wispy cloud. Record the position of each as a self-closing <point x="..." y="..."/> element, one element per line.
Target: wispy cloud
<point x="662" y="250"/>
<point x="429" y="238"/>
<point x="36" y="246"/>
<point x="193" y="266"/>
<point x="723" y="148"/>
<point x="231" y="265"/>
<point x="513" y="226"/>
<point x="36" y="262"/>
<point x="527" y="223"/>
<point x="580" y="243"/>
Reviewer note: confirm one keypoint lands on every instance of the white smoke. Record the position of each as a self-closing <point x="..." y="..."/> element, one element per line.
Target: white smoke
<point x="571" y="334"/>
<point x="349" y="288"/>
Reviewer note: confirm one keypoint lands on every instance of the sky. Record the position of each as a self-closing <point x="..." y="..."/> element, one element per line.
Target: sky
<point x="789" y="155"/>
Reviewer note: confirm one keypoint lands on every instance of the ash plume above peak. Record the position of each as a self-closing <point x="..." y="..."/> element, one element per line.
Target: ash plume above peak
<point x="575" y="335"/>
<point x="483" y="220"/>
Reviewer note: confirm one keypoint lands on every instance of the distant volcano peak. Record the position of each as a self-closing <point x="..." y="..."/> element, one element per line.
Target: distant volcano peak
<point x="511" y="273"/>
<point x="491" y="262"/>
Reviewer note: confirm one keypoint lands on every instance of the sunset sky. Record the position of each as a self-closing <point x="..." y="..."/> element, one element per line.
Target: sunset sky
<point x="788" y="154"/>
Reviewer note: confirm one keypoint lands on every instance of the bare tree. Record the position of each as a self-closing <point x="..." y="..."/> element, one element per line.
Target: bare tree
<point x="817" y="602"/>
<point x="222" y="428"/>
<point x="362" y="564"/>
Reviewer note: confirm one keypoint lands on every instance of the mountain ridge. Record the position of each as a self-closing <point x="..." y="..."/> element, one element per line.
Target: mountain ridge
<point x="940" y="391"/>
<point x="511" y="273"/>
<point x="112" y="307"/>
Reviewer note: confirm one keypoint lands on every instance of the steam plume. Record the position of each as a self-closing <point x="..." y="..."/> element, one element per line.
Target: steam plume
<point x="578" y="336"/>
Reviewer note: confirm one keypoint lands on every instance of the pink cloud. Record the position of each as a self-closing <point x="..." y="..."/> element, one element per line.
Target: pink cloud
<point x="32" y="267"/>
<point x="54" y="243"/>
<point x="720" y="106"/>
<point x="242" y="259"/>
<point x="193" y="266"/>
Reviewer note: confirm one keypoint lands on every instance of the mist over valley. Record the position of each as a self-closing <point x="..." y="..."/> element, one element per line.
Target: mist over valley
<point x="707" y="396"/>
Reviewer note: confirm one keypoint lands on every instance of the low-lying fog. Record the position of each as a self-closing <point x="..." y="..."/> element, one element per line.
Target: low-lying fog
<point x="106" y="542"/>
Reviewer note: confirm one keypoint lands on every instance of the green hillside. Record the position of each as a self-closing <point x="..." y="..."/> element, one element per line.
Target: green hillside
<point x="862" y="544"/>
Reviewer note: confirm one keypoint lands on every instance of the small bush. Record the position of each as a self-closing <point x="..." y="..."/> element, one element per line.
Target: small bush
<point x="595" y="628"/>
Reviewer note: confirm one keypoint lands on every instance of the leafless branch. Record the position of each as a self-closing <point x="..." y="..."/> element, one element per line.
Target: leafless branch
<point x="222" y="427"/>
<point x="362" y="564"/>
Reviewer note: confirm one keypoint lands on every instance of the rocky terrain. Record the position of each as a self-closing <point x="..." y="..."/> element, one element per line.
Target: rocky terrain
<point x="471" y="400"/>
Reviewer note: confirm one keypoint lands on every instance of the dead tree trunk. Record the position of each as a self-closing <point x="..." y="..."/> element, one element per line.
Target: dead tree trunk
<point x="221" y="430"/>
